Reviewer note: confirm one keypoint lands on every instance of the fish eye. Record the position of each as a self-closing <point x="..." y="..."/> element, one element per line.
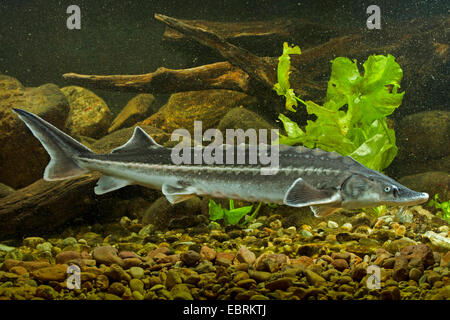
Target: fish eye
<point x="387" y="189"/>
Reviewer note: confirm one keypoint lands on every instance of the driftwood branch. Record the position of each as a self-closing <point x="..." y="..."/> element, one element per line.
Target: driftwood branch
<point x="221" y="75"/>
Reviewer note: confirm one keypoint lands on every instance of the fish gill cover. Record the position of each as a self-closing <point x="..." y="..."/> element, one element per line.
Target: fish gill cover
<point x="361" y="130"/>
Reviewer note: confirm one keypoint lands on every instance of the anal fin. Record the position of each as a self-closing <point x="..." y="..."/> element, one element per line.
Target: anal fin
<point x="107" y="184"/>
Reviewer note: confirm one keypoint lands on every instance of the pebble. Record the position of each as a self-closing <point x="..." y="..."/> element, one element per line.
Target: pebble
<point x="190" y="258"/>
<point x="314" y="279"/>
<point x="332" y="225"/>
<point x="207" y="253"/>
<point x="340" y="264"/>
<point x="136" y="272"/>
<point x="279" y="284"/>
<point x="347" y="226"/>
<point x="244" y="255"/>
<point x="32" y="242"/>
<point x="137" y="285"/>
<point x="106" y="255"/>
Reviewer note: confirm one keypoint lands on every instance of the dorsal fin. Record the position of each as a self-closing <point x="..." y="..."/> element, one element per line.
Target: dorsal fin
<point x="139" y="140"/>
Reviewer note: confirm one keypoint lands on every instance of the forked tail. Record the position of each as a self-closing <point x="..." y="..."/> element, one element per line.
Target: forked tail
<point x="61" y="147"/>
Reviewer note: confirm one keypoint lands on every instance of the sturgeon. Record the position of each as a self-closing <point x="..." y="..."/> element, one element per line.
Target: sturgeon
<point x="324" y="181"/>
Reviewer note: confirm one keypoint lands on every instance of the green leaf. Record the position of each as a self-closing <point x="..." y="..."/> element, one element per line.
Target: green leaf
<point x="283" y="87"/>
<point x="234" y="216"/>
<point x="216" y="212"/>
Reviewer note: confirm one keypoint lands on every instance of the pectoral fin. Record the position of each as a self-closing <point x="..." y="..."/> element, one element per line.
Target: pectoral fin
<point x="177" y="193"/>
<point x="323" y="211"/>
<point x="107" y="184"/>
<point x="301" y="194"/>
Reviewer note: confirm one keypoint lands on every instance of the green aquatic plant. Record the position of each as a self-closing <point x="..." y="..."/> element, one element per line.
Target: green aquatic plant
<point x="444" y="207"/>
<point x="232" y="216"/>
<point x="352" y="121"/>
<point x="376" y="211"/>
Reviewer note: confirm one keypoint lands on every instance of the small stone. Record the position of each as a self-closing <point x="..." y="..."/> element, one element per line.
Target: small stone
<point x="306" y="234"/>
<point x="207" y="253"/>
<point x="56" y="272"/>
<point x="340" y="264"/>
<point x="314" y="279"/>
<point x="391" y="293"/>
<point x="117" y="288"/>
<point x="271" y="262"/>
<point x="347" y="227"/>
<point x="279" y="284"/>
<point x="401" y="269"/>
<point x="246" y="283"/>
<point x="173" y="278"/>
<point x="205" y="266"/>
<point x="420" y="255"/>
<point x="106" y="255"/>
<point x="69" y="241"/>
<point x="138" y="295"/>
<point x="244" y="255"/>
<point x="415" y="274"/>
<point x="44" y="247"/>
<point x="137" y="285"/>
<point x="224" y="258"/>
<point x="46" y="292"/>
<point x="32" y="242"/>
<point x="432" y="277"/>
<point x="445" y="260"/>
<point x="131" y="262"/>
<point x="332" y="225"/>
<point x="136" y="272"/>
<point x="102" y="282"/>
<point x="341" y="255"/>
<point x="18" y="270"/>
<point x="259" y="276"/>
<point x="181" y="292"/>
<point x="190" y="258"/>
<point x="388" y="263"/>
<point x="66" y="256"/>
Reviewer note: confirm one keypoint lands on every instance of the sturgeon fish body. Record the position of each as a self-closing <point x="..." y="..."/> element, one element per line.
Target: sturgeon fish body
<point x="324" y="181"/>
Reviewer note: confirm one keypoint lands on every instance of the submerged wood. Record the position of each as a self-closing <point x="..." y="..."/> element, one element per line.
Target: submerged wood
<point x="221" y="75"/>
<point x="43" y="206"/>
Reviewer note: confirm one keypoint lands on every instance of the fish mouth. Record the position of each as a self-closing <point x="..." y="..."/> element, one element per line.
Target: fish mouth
<point x="419" y="198"/>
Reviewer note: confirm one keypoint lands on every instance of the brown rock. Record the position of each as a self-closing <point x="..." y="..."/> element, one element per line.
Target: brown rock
<point x="34" y="265"/>
<point x="303" y="260"/>
<point x="184" y="108"/>
<point x="340" y="264"/>
<point x="89" y="115"/>
<point x="244" y="255"/>
<point x="419" y="255"/>
<point x="65" y="256"/>
<point x="424" y="135"/>
<point x="207" y="253"/>
<point x="271" y="262"/>
<point x="18" y="270"/>
<point x="137" y="109"/>
<point x="341" y="255"/>
<point x="57" y="272"/>
<point x="190" y="258"/>
<point x="106" y="255"/>
<point x="224" y="258"/>
<point x="445" y="260"/>
<point x="20" y="166"/>
<point x="279" y="284"/>
<point x="401" y="268"/>
<point x="432" y="182"/>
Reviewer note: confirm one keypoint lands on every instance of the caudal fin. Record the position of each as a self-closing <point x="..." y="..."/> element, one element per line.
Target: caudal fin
<point x="60" y="146"/>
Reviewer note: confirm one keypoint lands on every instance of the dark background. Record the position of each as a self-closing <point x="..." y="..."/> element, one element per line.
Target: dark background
<point x="122" y="37"/>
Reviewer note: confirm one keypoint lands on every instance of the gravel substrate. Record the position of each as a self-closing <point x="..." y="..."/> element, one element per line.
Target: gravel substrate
<point x="266" y="261"/>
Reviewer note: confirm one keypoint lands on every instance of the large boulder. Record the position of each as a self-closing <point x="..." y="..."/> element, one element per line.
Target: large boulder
<point x="137" y="109"/>
<point x="89" y="115"/>
<point x="22" y="158"/>
<point x="433" y="182"/>
<point x="424" y="135"/>
<point x="208" y="106"/>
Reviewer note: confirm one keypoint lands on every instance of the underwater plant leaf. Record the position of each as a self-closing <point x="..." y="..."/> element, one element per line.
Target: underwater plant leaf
<point x="379" y="147"/>
<point x="234" y="216"/>
<point x="216" y="212"/>
<point x="283" y="87"/>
